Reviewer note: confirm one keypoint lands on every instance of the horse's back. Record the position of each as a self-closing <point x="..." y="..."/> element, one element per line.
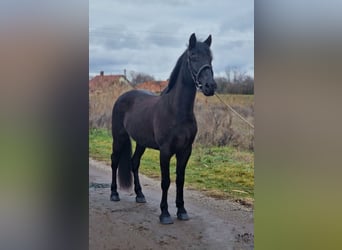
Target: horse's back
<point x="129" y="100"/>
<point x="133" y="112"/>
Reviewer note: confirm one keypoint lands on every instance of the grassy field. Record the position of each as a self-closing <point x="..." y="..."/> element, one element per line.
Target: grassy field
<point x="220" y="172"/>
<point x="217" y="126"/>
<point x="232" y="99"/>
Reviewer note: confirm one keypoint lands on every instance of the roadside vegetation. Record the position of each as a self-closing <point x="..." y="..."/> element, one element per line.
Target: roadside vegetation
<point x="222" y="161"/>
<point x="220" y="172"/>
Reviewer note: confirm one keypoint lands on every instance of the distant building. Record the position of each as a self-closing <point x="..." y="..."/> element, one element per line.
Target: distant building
<point x="104" y="81"/>
<point x="153" y="86"/>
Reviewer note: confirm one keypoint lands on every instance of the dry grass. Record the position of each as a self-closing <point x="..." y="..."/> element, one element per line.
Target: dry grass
<point x="101" y="103"/>
<point x="217" y="126"/>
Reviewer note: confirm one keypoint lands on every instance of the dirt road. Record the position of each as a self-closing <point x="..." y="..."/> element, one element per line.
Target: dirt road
<point x="213" y="224"/>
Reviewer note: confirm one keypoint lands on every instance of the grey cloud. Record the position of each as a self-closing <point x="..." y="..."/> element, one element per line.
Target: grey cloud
<point x="244" y="24"/>
<point x="162" y="40"/>
<point x="149" y="36"/>
<point x="242" y="21"/>
<point x="164" y="35"/>
<point x="167" y="2"/>
<point x="115" y="37"/>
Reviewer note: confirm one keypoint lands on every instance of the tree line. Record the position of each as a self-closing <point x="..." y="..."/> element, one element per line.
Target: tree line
<point x="235" y="81"/>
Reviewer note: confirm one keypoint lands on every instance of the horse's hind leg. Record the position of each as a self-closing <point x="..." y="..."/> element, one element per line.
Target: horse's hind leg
<point x="139" y="151"/>
<point x="114" y="196"/>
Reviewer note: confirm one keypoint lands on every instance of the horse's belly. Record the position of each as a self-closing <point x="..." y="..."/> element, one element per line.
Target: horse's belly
<point x="145" y="141"/>
<point x="142" y="134"/>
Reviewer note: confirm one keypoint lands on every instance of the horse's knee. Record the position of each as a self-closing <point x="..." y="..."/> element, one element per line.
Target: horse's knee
<point x="165" y="184"/>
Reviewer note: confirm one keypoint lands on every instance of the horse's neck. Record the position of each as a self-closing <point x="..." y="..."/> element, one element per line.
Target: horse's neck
<point x="183" y="96"/>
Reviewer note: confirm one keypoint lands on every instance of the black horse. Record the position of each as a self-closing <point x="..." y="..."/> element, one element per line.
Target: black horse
<point x="166" y="123"/>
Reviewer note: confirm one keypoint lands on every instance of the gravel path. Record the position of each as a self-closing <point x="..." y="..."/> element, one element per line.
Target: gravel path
<point x="213" y="224"/>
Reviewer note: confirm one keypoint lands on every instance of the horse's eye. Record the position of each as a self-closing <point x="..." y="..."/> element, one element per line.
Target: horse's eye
<point x="194" y="57"/>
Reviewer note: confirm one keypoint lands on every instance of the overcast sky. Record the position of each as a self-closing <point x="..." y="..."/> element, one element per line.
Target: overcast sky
<point x="149" y="35"/>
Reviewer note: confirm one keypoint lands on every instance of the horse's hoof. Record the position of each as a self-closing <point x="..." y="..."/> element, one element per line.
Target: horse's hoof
<point x="165" y="220"/>
<point x="140" y="199"/>
<point x="114" y="197"/>
<point x="182" y="216"/>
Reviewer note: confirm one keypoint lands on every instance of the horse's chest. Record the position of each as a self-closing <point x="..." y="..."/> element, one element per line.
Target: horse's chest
<point x="184" y="135"/>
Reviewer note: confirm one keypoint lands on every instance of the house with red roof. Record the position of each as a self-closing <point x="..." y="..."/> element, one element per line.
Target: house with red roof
<point x="103" y="81"/>
<point x="153" y="86"/>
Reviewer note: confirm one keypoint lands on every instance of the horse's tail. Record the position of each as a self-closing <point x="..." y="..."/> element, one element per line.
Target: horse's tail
<point x="125" y="163"/>
<point x="123" y="147"/>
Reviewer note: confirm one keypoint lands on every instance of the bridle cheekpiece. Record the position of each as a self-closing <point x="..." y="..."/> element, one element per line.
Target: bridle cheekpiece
<point x="196" y="75"/>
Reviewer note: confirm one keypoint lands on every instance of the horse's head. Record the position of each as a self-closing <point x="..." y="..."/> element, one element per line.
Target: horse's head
<point x="199" y="64"/>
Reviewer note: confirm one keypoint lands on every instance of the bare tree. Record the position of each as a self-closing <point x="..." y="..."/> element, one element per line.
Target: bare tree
<point x="239" y="76"/>
<point x="139" y="77"/>
<point x="236" y="81"/>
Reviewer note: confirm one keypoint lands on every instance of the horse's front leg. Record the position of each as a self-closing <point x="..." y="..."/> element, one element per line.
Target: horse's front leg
<point x="165" y="157"/>
<point x="182" y="160"/>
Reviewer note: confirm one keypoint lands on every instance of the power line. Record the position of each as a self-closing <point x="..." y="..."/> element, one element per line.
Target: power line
<point x="131" y="35"/>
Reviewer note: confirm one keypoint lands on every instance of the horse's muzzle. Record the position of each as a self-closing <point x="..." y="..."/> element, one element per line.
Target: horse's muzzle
<point x="208" y="89"/>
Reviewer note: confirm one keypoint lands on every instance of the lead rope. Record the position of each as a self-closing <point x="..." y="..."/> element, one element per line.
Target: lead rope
<point x="234" y="111"/>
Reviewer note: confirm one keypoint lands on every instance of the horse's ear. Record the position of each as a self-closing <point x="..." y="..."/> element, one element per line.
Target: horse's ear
<point x="192" y="41"/>
<point x="208" y="41"/>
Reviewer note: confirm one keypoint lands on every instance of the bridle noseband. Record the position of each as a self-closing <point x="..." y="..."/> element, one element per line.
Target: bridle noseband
<point x="195" y="76"/>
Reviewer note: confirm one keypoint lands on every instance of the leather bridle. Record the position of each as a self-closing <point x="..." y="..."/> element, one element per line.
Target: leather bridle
<point x="196" y="75"/>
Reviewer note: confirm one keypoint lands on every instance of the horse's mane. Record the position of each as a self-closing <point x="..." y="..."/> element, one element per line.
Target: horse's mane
<point x="174" y="74"/>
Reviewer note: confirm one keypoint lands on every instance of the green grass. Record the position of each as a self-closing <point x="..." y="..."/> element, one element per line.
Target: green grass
<point x="221" y="172"/>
